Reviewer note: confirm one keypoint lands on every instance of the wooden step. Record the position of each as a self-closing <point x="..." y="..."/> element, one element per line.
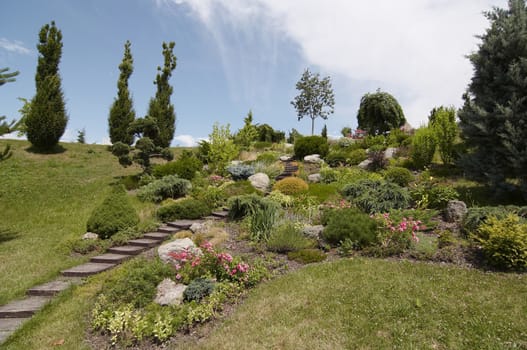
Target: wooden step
<point x="182" y="224"/>
<point x="168" y="229"/>
<point x="87" y="269"/>
<point x="158" y="236"/>
<point x="110" y="258"/>
<point x="126" y="250"/>
<point x="23" y="308"/>
<point x="50" y="288"/>
<point x="144" y="242"/>
<point x="8" y="326"/>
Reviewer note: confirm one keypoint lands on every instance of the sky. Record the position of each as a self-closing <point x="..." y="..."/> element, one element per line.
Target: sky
<point x="239" y="55"/>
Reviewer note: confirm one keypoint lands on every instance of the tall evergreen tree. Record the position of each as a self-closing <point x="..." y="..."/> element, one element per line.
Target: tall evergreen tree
<point x="47" y="119"/>
<point x="122" y="112"/>
<point x="248" y="133"/>
<point x="161" y="110"/>
<point x="494" y="115"/>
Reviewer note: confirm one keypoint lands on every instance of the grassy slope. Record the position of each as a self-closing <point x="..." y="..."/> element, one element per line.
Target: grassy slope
<point x="45" y="200"/>
<point x="375" y="304"/>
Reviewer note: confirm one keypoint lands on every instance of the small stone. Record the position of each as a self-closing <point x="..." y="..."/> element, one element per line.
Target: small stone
<point x="260" y="181"/>
<point x="285" y="158"/>
<point x="199" y="227"/>
<point x="313" y="232"/>
<point x="169" y="292"/>
<point x="315" y="178"/>
<point x="455" y="211"/>
<point x="176" y="246"/>
<point x="365" y="164"/>
<point x="90" y="235"/>
<point x="313" y="158"/>
<point x="389" y="152"/>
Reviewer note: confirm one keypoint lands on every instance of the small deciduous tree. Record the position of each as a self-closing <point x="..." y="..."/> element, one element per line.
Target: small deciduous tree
<point x="160" y="109"/>
<point x="346" y="131"/>
<point x="443" y="123"/>
<point x="221" y="148"/>
<point x="122" y="112"/>
<point x="47" y="118"/>
<point x="379" y="112"/>
<point x="316" y="98"/>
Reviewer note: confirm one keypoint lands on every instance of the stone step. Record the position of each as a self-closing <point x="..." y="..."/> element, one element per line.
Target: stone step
<point x="87" y="269"/>
<point x="168" y="229"/>
<point x="182" y="224"/>
<point x="51" y="288"/>
<point x="159" y="236"/>
<point x="143" y="242"/>
<point x="23" y="308"/>
<point x="221" y="214"/>
<point x="126" y="250"/>
<point x="211" y="217"/>
<point x="8" y="326"/>
<point x="110" y="258"/>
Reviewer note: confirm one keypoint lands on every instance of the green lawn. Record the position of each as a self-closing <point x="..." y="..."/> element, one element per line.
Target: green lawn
<point x="45" y="200"/>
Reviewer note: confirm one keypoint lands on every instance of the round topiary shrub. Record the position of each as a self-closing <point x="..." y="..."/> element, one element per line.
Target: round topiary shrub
<point x="189" y="209"/>
<point x="113" y="215"/>
<point x="291" y="185"/>
<point x="400" y="176"/>
<point x="311" y="145"/>
<point x="350" y="224"/>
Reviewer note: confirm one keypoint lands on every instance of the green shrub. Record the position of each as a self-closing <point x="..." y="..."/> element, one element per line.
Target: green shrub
<point x="504" y="242"/>
<point x="262" y="145"/>
<point x="262" y="220"/>
<point x="189" y="209"/>
<point x="240" y="171"/>
<point x="376" y="196"/>
<point x="336" y="158"/>
<point x="267" y="157"/>
<point x="356" y="156"/>
<point x="284" y="200"/>
<point x="476" y="216"/>
<point x="433" y="195"/>
<point x="241" y="206"/>
<point x="287" y="238"/>
<point x="423" y="147"/>
<point x="322" y="192"/>
<point x="371" y="141"/>
<point x="307" y="256"/>
<point x="350" y="224"/>
<point x="328" y="175"/>
<point x="239" y="188"/>
<point x="114" y="214"/>
<point x="212" y="196"/>
<point x="169" y="186"/>
<point x="185" y="167"/>
<point x="130" y="182"/>
<point x="291" y="185"/>
<point x="398" y="175"/>
<point x="311" y="145"/>
<point x="198" y="289"/>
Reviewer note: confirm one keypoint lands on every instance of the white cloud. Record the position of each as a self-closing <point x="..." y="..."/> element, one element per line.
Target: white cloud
<point x="105" y="141"/>
<point x="414" y="49"/>
<point x="186" y="140"/>
<point x="14" y="46"/>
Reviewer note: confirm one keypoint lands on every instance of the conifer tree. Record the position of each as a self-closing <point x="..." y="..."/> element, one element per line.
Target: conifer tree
<point x="6" y="76"/>
<point x="122" y="112"/>
<point x="248" y="133"/>
<point x="161" y="110"/>
<point x="494" y="115"/>
<point x="47" y="119"/>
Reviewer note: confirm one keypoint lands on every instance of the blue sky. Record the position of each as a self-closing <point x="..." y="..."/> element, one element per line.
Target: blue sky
<point x="236" y="55"/>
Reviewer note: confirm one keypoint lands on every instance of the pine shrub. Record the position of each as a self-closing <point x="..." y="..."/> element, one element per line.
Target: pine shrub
<point x="350" y="224"/>
<point x="400" y="176"/>
<point x="476" y="216"/>
<point x="376" y="196"/>
<point x="169" y="186"/>
<point x="240" y="171"/>
<point x="311" y="145"/>
<point x="291" y="185"/>
<point x="189" y="208"/>
<point x="114" y="214"/>
<point x="185" y="167"/>
<point x="198" y="289"/>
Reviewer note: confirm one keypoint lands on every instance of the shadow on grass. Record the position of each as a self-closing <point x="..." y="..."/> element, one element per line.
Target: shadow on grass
<point x="58" y="149"/>
<point x="7" y="235"/>
<point x="482" y="195"/>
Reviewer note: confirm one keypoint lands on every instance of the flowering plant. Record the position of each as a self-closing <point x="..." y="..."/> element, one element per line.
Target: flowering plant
<point x="219" y="265"/>
<point x="397" y="233"/>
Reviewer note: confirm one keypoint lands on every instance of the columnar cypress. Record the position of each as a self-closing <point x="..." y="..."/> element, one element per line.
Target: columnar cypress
<point x="122" y="112"/>
<point x="494" y="115"/>
<point x="47" y="119"/>
<point x="160" y="109"/>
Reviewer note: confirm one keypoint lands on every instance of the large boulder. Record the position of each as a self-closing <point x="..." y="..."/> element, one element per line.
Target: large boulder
<point x="260" y="181"/>
<point x="390" y="152"/>
<point x="176" y="246"/>
<point x="169" y="292"/>
<point x="455" y="211"/>
<point x="315" y="178"/>
<point x="313" y="159"/>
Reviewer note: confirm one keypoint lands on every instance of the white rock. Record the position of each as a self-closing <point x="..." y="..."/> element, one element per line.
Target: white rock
<point x="90" y="235"/>
<point x="364" y="164"/>
<point x="314" y="178"/>
<point x="313" y="158"/>
<point x="285" y="158"/>
<point x="176" y="246"/>
<point x="260" y="181"/>
<point x="390" y="151"/>
<point x="169" y="292"/>
<point x="313" y="232"/>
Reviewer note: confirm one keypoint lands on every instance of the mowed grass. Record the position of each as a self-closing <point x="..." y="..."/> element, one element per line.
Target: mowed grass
<point x="45" y="201"/>
<point x="377" y="304"/>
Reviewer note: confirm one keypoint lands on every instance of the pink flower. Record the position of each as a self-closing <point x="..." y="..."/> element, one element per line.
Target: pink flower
<point x="178" y="266"/>
<point x="178" y="276"/>
<point x="196" y="262"/>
